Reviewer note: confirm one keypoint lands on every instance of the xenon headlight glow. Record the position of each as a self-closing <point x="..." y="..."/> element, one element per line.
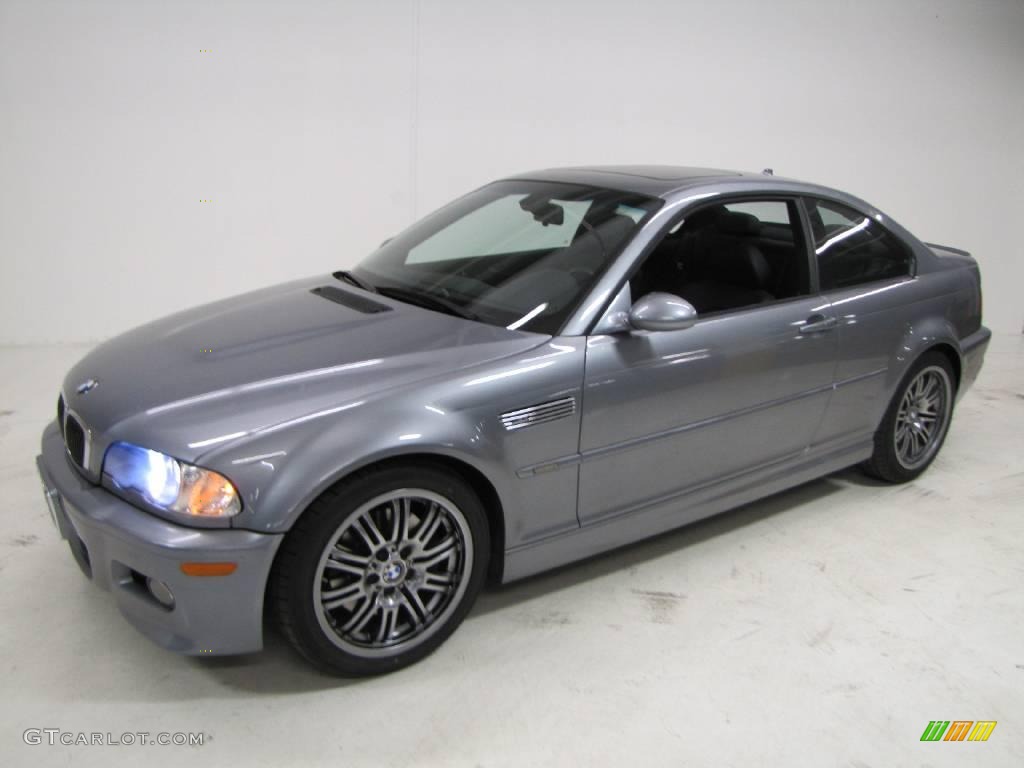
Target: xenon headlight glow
<point x="168" y="484"/>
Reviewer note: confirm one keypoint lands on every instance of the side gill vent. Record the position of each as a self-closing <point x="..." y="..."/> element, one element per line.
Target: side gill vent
<point x="539" y="414"/>
<point x="350" y="300"/>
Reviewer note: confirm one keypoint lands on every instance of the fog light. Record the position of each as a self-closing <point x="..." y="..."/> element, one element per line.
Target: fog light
<point x="161" y="592"/>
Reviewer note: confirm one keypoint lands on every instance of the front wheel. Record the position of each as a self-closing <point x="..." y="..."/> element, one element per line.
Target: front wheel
<point x="916" y="423"/>
<point x="381" y="569"/>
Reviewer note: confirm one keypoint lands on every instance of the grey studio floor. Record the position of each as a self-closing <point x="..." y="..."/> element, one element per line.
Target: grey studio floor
<point x="821" y="627"/>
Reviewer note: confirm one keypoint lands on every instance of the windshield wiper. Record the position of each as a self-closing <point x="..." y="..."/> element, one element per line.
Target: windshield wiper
<point x="427" y="301"/>
<point x="358" y="282"/>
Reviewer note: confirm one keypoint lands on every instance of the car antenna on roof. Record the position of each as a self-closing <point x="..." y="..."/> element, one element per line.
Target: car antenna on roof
<point x="768" y="172"/>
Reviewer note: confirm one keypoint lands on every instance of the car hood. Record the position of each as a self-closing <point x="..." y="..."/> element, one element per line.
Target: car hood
<point x="194" y="379"/>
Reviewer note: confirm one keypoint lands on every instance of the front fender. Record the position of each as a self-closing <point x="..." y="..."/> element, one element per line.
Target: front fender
<point x="281" y="474"/>
<point x="281" y="470"/>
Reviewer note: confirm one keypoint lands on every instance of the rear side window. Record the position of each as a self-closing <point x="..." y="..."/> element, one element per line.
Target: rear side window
<point x="852" y="249"/>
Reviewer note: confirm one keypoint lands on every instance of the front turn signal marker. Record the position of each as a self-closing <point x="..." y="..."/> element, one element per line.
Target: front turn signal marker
<point x="208" y="569"/>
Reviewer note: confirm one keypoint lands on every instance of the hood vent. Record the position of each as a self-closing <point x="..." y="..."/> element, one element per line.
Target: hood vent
<point x="539" y="414"/>
<point x="350" y="300"/>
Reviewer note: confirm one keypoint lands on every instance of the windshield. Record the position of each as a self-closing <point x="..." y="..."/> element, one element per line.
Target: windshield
<point x="521" y="254"/>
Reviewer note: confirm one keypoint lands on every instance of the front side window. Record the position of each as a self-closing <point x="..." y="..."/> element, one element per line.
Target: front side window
<point x="724" y="257"/>
<point x="522" y="254"/>
<point x="851" y="249"/>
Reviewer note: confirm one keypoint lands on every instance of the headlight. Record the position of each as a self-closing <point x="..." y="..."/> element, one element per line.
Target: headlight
<point x="166" y="483"/>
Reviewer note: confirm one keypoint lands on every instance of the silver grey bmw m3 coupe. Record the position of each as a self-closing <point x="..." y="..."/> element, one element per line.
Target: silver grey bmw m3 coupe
<point x="556" y="364"/>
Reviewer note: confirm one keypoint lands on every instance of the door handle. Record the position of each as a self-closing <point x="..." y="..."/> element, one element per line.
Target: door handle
<point x="818" y="323"/>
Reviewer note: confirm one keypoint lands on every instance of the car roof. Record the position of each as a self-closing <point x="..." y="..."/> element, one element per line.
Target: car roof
<point x="655" y="180"/>
<point x="672" y="182"/>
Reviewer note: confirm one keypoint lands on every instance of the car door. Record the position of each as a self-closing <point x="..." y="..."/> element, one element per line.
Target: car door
<point x="671" y="412"/>
<point x="865" y="274"/>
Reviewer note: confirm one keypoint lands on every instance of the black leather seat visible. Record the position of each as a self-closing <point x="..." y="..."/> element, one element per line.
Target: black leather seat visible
<point x="725" y="230"/>
<point x="735" y="274"/>
<point x="714" y="263"/>
<point x="673" y="261"/>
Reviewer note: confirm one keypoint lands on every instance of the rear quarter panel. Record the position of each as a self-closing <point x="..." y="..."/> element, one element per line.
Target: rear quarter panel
<point x="883" y="329"/>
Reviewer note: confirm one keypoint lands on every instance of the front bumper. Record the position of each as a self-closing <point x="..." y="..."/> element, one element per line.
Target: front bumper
<point x="119" y="546"/>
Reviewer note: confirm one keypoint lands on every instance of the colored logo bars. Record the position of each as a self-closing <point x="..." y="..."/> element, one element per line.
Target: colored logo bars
<point x="958" y="730"/>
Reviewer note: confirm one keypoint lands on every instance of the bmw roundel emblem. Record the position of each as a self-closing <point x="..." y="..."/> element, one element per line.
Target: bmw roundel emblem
<point x="87" y="386"/>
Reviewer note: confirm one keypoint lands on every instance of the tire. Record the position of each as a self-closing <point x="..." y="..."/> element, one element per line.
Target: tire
<point x="903" y="449"/>
<point x="356" y="610"/>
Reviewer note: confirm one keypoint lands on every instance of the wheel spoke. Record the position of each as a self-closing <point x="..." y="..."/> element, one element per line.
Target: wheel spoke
<point x="428" y="526"/>
<point x="920" y="441"/>
<point x="369" y="532"/>
<point x="931" y="388"/>
<point x="335" y="597"/>
<point x="415" y="606"/>
<point x="904" y="446"/>
<point x="430" y="557"/>
<point x="401" y="511"/>
<point x="388" y="620"/>
<point x="361" y="617"/>
<point x="347" y="562"/>
<point x="436" y="582"/>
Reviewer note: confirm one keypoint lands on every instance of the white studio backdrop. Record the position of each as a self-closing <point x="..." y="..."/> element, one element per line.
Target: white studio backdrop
<point x="157" y="155"/>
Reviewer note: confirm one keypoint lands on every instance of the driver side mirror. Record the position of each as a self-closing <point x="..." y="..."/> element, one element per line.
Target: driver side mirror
<point x="662" y="312"/>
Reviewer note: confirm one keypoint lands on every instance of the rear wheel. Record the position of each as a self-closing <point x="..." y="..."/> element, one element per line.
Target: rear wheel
<point x="380" y="570"/>
<point x="916" y="423"/>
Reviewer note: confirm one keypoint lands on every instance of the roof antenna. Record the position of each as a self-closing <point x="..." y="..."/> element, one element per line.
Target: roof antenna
<point x="768" y="172"/>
